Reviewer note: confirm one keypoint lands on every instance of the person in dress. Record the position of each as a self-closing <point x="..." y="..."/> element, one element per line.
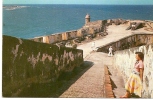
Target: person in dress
<point x="134" y="84"/>
<point x="110" y="51"/>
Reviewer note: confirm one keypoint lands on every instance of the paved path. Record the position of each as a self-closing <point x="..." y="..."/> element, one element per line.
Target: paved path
<point x="114" y="33"/>
<point x="90" y="84"/>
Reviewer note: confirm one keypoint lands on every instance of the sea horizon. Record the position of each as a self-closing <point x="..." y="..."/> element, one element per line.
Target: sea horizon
<point x="86" y="4"/>
<point x="45" y="19"/>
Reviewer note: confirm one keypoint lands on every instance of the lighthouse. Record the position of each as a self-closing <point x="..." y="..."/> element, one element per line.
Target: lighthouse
<point x="87" y="18"/>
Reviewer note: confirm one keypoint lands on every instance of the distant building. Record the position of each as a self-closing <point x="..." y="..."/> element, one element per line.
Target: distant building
<point x="87" y="18"/>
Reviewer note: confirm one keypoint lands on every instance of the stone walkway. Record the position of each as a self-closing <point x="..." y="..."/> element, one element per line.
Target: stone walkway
<point x="114" y="33"/>
<point x="90" y="84"/>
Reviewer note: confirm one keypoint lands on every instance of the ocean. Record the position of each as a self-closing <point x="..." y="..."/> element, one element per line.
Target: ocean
<point x="29" y="21"/>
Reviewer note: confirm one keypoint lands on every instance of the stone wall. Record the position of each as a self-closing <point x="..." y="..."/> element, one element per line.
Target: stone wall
<point x="89" y="28"/>
<point x="25" y="62"/>
<point x="94" y="27"/>
<point x="72" y="34"/>
<point x="53" y="38"/>
<point x="149" y="24"/>
<point x="124" y="62"/>
<point x="94" y="23"/>
<point x="128" y="42"/>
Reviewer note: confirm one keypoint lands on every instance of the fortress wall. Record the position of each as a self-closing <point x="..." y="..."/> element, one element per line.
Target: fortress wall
<point x="124" y="62"/>
<point x="53" y="38"/>
<point x="128" y="42"/>
<point x="94" y="23"/>
<point x="89" y="28"/>
<point x="144" y="39"/>
<point x="64" y="36"/>
<point x="26" y="62"/>
<point x="80" y="32"/>
<point x="149" y="24"/>
<point x="38" y="39"/>
<point x="45" y="39"/>
<point x="94" y="27"/>
<point x="71" y="34"/>
<point x="58" y="37"/>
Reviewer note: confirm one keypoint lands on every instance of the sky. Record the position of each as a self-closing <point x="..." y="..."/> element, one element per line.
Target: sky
<point x="108" y="2"/>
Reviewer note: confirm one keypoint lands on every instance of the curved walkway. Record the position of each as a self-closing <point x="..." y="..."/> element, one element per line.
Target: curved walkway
<point x="90" y="84"/>
<point x="114" y="33"/>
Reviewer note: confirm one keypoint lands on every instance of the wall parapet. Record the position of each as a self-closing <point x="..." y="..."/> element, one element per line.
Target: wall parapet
<point x="90" y="28"/>
<point x="25" y="62"/>
<point x="127" y="42"/>
<point x="124" y="61"/>
<point x="108" y="84"/>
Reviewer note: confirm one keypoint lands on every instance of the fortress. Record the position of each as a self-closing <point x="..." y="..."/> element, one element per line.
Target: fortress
<point x="53" y="66"/>
<point x="91" y="30"/>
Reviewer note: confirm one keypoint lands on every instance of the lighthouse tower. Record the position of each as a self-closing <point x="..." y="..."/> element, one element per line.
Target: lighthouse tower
<point x="87" y="18"/>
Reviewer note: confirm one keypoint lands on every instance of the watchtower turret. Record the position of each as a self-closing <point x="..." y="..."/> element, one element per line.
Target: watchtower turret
<point x="87" y="18"/>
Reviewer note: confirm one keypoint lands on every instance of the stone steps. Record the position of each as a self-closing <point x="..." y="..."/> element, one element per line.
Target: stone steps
<point x="117" y="82"/>
<point x="107" y="84"/>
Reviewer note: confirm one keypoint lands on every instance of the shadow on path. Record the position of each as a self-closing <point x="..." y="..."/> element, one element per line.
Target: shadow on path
<point x="55" y="89"/>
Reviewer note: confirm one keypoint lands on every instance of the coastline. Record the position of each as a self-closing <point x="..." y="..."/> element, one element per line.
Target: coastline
<point x="96" y="24"/>
<point x="110" y="31"/>
<point x="13" y="7"/>
<point x="62" y="22"/>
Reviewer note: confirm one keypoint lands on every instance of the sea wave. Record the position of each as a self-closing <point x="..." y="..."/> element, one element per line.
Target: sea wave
<point x="14" y="7"/>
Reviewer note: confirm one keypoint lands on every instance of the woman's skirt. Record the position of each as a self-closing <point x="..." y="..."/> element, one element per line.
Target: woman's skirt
<point x="134" y="84"/>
